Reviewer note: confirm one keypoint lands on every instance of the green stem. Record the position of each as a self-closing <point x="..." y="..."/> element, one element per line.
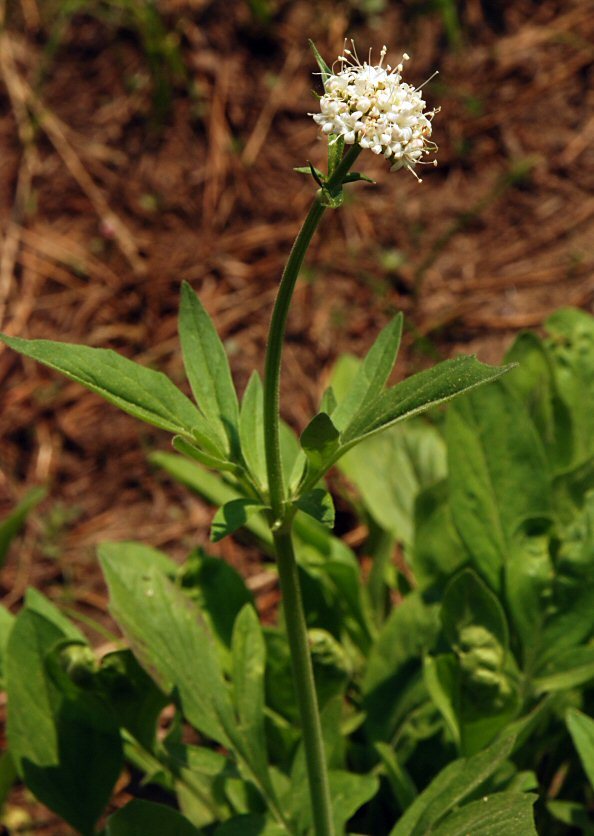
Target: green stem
<point x="281" y="517"/>
<point x="311" y="729"/>
<point x="276" y="335"/>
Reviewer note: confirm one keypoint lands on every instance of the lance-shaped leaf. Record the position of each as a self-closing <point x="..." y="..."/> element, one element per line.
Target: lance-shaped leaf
<point x="251" y="430"/>
<point x="324" y="68"/>
<point x="233" y="515"/>
<point x="420" y="392"/>
<point x="320" y="440"/>
<point x="207" y="367"/>
<point x="141" y="392"/>
<point x="186" y="448"/>
<point x="372" y="374"/>
<point x="248" y="652"/>
<point x="451" y="787"/>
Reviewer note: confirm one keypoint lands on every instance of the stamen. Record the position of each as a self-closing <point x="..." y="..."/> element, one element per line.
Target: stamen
<point x="427" y="80"/>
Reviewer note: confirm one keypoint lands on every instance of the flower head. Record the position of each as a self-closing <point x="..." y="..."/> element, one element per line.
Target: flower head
<point x="371" y="106"/>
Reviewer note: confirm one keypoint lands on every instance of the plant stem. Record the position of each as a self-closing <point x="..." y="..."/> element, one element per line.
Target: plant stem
<point x="303" y="677"/>
<point x="276" y="336"/>
<point x="281" y="517"/>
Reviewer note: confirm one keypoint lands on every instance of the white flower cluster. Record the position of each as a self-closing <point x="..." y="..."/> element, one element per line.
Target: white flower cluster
<point x="372" y="106"/>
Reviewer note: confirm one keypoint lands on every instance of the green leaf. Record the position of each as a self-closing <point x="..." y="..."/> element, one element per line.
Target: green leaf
<point x="233" y="515"/>
<point x="132" y="694"/>
<point x="500" y="814"/>
<point x="141" y="392"/>
<point x="190" y="450"/>
<point x="408" y="634"/>
<point x="293" y="459"/>
<point x="65" y="746"/>
<point x="458" y="781"/>
<point x="419" y="393"/>
<point x="170" y="638"/>
<point x="344" y="372"/>
<point x="571" y="346"/>
<point x="437" y="552"/>
<point x="372" y="374"/>
<point x="441" y="677"/>
<point x="328" y="401"/>
<point x="319" y="505"/>
<point x="570" y="609"/>
<point x="145" y="818"/>
<point x="348" y="792"/>
<point x="314" y="172"/>
<point x="6" y="624"/>
<point x="335" y="154"/>
<point x="570" y="668"/>
<point x="207" y="368"/>
<point x="581" y="729"/>
<point x="12" y="524"/>
<point x="355" y="176"/>
<point x="251" y="431"/>
<point x="533" y="380"/>
<point x="218" y="589"/>
<point x="200" y="774"/>
<point x="8" y="776"/>
<point x="324" y="68"/>
<point x="400" y="781"/>
<point x="572" y="813"/>
<point x="31" y="729"/>
<point x="252" y="824"/>
<point x="249" y="663"/>
<point x="320" y="440"/>
<point x="467" y="603"/>
<point x="529" y="576"/>
<point x="475" y="628"/>
<point x="389" y="470"/>
<point x="498" y="475"/>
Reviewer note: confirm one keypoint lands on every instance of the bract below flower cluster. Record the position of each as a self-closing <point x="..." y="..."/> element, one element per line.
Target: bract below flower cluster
<point x="372" y="106"/>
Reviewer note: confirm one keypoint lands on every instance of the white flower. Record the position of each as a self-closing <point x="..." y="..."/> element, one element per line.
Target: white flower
<point x="372" y="106"/>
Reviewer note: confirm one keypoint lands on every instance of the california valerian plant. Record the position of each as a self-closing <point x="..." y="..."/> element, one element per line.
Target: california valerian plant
<point x="319" y="725"/>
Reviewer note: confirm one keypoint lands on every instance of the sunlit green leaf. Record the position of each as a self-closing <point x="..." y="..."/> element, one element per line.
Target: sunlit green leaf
<point x="137" y="390"/>
<point x="207" y="367"/>
<point x="419" y="393"/>
<point x="372" y="374"/>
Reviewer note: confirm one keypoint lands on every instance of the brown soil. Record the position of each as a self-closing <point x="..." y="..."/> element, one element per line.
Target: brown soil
<point x="111" y="195"/>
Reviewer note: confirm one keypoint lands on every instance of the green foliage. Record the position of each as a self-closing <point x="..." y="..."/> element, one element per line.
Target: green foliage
<point x="441" y="713"/>
<point x="11" y="525"/>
